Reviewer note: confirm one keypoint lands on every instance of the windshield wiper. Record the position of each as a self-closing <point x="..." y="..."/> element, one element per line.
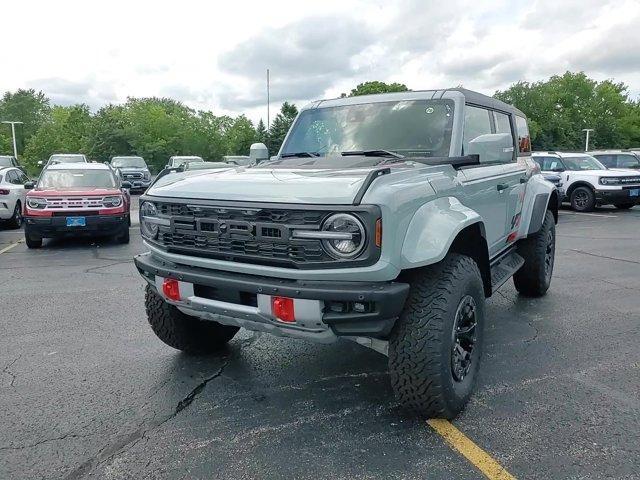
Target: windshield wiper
<point x="373" y="153"/>
<point x="299" y="154"/>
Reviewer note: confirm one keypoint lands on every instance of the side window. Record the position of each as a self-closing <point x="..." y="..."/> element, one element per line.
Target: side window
<point x="627" y="161"/>
<point x="476" y="123"/>
<point x="12" y="177"/>
<point x="478" y="137"/>
<point x="23" y="178"/>
<point x="503" y="126"/>
<point x="608" y="161"/>
<point x="524" y="140"/>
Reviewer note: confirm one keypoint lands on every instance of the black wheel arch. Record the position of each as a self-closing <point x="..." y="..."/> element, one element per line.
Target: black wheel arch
<point x="579" y="183"/>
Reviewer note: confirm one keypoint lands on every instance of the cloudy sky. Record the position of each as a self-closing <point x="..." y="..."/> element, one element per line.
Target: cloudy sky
<point x="213" y="54"/>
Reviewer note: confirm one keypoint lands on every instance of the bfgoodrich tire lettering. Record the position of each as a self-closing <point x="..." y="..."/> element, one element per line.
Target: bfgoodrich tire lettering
<point x="534" y="277"/>
<point x="182" y="331"/>
<point x="423" y="374"/>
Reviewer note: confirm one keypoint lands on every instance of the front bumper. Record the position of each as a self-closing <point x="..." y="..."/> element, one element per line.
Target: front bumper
<point x="51" y="227"/>
<point x="621" y="195"/>
<point x="245" y="300"/>
<point x="140" y="185"/>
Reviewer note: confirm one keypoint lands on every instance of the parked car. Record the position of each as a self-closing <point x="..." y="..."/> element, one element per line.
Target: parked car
<point x="12" y="195"/>
<point x="64" y="158"/>
<point x="384" y="219"/>
<point x="176" y="160"/>
<point x="133" y="170"/>
<point x="10" y="161"/>
<point x="76" y="199"/>
<point x="587" y="183"/>
<point x="618" y="158"/>
<point x="207" y="165"/>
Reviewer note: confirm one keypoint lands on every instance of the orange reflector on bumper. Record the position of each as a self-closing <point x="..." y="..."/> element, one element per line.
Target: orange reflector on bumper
<point x="282" y="309"/>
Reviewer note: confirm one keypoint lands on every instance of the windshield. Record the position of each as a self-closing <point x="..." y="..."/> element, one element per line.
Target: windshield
<point x="181" y="160"/>
<point x="119" y="162"/>
<point x="409" y="127"/>
<point x="63" y="179"/>
<point x="582" y="162"/>
<point x="5" y="162"/>
<point x="67" y="158"/>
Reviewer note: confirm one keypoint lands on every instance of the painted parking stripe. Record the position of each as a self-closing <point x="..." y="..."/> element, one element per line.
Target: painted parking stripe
<point x="6" y="249"/>
<point x="472" y="452"/>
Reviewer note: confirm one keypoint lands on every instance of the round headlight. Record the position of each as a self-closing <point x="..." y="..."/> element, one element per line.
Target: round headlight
<point x="147" y="212"/>
<point x="35" y="202"/>
<point x="112" y="202"/>
<point x="350" y="237"/>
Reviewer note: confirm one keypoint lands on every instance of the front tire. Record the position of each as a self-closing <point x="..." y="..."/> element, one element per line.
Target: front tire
<point x="30" y="239"/>
<point x="182" y="331"/>
<point x="539" y="252"/>
<point x="436" y="344"/>
<point x="583" y="199"/>
<point x="124" y="237"/>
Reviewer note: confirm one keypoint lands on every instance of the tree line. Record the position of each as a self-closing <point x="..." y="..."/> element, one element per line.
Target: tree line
<point x="156" y="128"/>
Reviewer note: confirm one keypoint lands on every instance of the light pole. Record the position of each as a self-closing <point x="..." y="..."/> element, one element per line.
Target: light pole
<point x="13" y="134"/>
<point x="586" y="143"/>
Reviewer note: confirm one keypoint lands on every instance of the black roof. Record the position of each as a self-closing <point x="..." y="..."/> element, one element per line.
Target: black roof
<point x="486" y="101"/>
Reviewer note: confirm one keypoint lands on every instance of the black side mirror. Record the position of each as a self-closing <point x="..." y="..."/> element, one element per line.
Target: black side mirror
<point x="125" y="184"/>
<point x="559" y="169"/>
<point x="29" y="185"/>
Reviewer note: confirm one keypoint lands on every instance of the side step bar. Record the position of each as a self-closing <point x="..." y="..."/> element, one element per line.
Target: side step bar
<point x="504" y="268"/>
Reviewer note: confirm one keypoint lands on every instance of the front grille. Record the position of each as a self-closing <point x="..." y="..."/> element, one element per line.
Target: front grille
<point x="255" y="234"/>
<point x="132" y="176"/>
<point x="74" y="203"/>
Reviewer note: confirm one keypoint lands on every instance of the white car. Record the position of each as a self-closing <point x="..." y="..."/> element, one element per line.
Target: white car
<point x="12" y="195"/>
<point x="586" y="182"/>
<point x="65" y="158"/>
<point x="178" y="160"/>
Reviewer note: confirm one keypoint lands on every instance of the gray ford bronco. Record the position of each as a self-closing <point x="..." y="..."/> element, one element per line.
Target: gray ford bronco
<point x="383" y="219"/>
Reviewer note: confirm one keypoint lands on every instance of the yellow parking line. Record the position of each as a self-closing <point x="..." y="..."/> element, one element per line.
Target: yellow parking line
<point x="6" y="249"/>
<point x="478" y="457"/>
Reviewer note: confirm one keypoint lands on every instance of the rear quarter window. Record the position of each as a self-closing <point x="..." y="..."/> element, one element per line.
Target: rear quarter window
<point x="524" y="139"/>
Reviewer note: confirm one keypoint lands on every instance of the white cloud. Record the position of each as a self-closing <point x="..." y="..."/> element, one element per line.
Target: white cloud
<point x="213" y="55"/>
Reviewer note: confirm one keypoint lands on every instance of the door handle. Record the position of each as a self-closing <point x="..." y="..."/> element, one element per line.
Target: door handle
<point x="502" y="187"/>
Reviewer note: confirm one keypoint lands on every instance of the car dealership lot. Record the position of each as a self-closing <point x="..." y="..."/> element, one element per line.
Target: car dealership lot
<point x="88" y="391"/>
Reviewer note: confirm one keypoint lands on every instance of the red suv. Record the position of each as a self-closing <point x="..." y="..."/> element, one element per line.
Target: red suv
<point x="76" y="199"/>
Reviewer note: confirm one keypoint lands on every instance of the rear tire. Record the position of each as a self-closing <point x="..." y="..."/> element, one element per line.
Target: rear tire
<point x="182" y="331"/>
<point x="538" y="250"/>
<point x="16" y="219"/>
<point x="583" y="199"/>
<point x="436" y="344"/>
<point x="624" y="206"/>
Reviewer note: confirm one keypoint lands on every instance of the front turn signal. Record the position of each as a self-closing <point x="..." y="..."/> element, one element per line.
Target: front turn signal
<point x="378" y="233"/>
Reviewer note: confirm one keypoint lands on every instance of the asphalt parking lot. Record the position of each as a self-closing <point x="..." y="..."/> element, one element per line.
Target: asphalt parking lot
<point x="87" y="391"/>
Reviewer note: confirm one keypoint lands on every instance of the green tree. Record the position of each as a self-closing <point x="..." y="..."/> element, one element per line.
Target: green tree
<point x="280" y="126"/>
<point x="368" y="88"/>
<point x="261" y="132"/>
<point x="66" y="131"/>
<point x="240" y="136"/>
<point x="108" y="133"/>
<point x="27" y="106"/>
<point x="559" y="108"/>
